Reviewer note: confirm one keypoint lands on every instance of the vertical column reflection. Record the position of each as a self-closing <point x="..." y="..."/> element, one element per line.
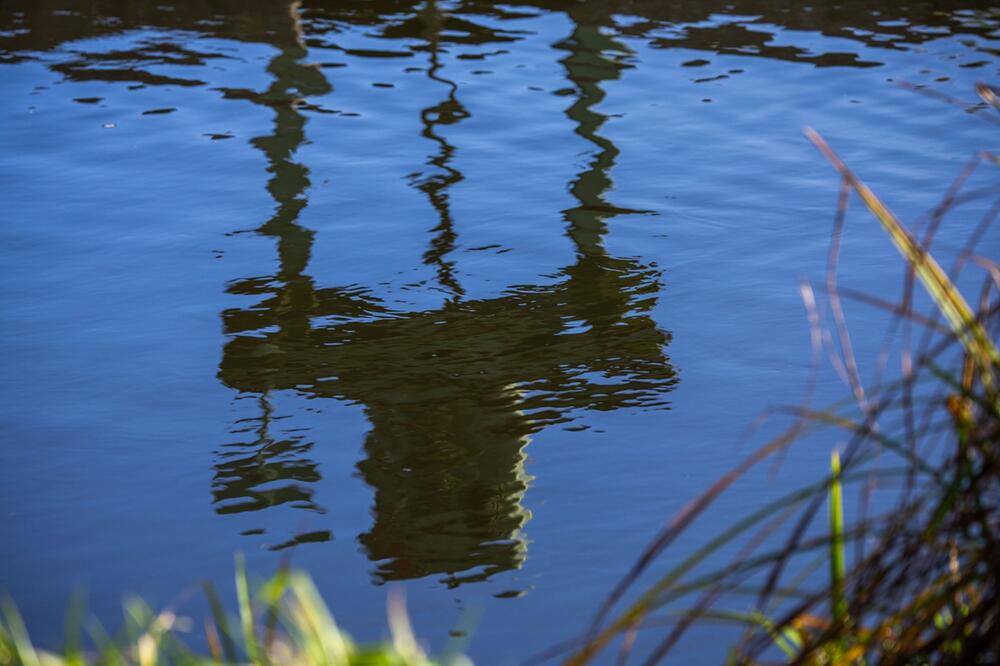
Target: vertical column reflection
<point x="436" y="185"/>
<point x="265" y="471"/>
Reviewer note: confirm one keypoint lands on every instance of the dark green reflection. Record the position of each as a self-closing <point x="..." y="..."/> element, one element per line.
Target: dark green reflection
<point x="435" y="185"/>
<point x="262" y="471"/>
<point x="244" y="467"/>
<point x="453" y="394"/>
<point x="706" y="26"/>
<point x="593" y="59"/>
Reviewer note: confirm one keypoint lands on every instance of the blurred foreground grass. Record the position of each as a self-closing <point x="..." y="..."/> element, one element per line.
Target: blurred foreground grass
<point x="281" y="622"/>
<point x="923" y="583"/>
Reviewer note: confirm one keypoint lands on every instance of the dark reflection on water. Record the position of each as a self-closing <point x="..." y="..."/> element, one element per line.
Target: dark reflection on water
<point x="244" y="467"/>
<point x="746" y="27"/>
<point x="454" y="393"/>
<point x="267" y="471"/>
<point x="431" y="21"/>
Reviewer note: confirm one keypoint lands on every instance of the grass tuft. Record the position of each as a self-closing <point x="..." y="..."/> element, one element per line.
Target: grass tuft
<point x="309" y="635"/>
<point x="923" y="582"/>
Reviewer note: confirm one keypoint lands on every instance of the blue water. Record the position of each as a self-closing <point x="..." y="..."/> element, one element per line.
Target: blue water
<point x="461" y="298"/>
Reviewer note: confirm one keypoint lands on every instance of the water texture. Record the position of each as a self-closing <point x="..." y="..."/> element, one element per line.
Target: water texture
<point x="460" y="296"/>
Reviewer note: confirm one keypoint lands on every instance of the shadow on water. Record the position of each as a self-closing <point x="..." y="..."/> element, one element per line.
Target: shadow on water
<point x="453" y="394"/>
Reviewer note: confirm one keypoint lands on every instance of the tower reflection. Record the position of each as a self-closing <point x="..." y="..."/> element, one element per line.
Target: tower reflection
<point x="454" y="393"/>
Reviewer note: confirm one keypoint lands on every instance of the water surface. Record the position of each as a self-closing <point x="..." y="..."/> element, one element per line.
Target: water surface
<point x="460" y="296"/>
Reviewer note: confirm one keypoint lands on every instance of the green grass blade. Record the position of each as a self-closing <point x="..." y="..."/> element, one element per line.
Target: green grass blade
<point x="272" y="592"/>
<point x="7" y="649"/>
<point x="108" y="652"/>
<point x="788" y="640"/>
<point x="24" y="652"/>
<point x="75" y="615"/>
<point x="219" y="617"/>
<point x="246" y="613"/>
<point x="837" y="563"/>
<point x="946" y="296"/>
<point x="651" y="598"/>
<point x="321" y="635"/>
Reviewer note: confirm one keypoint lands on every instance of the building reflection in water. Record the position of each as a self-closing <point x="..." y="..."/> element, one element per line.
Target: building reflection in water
<point x="453" y="394"/>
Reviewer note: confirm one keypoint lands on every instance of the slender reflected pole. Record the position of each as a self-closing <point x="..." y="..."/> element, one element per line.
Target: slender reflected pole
<point x="436" y="186"/>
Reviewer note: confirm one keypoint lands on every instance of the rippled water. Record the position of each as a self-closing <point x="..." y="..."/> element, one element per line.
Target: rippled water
<point x="461" y="294"/>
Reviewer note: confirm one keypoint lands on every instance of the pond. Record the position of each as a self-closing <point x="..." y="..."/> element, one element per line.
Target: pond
<point x="463" y="297"/>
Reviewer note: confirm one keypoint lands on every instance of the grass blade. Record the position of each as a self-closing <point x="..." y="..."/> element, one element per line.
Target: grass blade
<point x="246" y="612"/>
<point x="75" y="616"/>
<point x="837" y="564"/>
<point x="946" y="296"/>
<point x="24" y="652"/>
<point x="787" y="640"/>
<point x="219" y="615"/>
